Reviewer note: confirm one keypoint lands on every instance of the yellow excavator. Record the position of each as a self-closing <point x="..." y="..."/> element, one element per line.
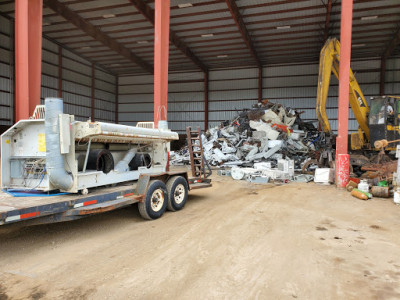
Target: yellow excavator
<point x="378" y="123"/>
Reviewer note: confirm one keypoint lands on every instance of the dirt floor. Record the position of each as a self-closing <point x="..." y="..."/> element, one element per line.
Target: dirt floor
<point x="232" y="241"/>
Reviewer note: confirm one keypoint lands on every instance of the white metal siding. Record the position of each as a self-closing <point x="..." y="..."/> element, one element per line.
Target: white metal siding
<point x="296" y="86"/>
<point x="76" y="80"/>
<point x="229" y="92"/>
<point x="185" y="100"/>
<point x="104" y="93"/>
<point x="232" y="90"/>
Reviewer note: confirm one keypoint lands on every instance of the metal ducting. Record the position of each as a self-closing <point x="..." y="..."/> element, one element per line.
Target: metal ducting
<point x="57" y="174"/>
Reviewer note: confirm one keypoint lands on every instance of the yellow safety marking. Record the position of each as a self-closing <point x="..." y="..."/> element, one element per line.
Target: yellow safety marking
<point x="42" y="142"/>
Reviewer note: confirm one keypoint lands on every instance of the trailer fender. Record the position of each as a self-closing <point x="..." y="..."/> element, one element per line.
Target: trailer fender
<point x="144" y="180"/>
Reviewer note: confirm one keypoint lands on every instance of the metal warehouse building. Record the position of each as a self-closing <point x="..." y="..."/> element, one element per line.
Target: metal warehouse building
<point x="199" y="149"/>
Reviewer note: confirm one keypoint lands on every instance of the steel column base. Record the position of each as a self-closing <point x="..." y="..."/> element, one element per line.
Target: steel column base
<point x="342" y="172"/>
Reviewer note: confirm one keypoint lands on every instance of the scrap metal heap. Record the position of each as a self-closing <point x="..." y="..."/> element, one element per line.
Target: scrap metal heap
<point x="259" y="140"/>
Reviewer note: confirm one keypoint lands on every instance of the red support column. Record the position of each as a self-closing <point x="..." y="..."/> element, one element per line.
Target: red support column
<point x="161" y="52"/>
<point x="116" y="99"/>
<point x="35" y="52"/>
<point x="21" y="61"/>
<point x="28" y="56"/>
<point x="342" y="157"/>
<point x="382" y="75"/>
<point x="92" y="104"/>
<point x="260" y="84"/>
<point x="60" y="72"/>
<point x="205" y="101"/>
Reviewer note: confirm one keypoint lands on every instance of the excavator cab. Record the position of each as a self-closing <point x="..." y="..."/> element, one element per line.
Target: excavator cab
<point x="384" y="119"/>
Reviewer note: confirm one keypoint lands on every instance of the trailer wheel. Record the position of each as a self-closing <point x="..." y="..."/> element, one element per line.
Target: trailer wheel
<point x="177" y="188"/>
<point x="155" y="201"/>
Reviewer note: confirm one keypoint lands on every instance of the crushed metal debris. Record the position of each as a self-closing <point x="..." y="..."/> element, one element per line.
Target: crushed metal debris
<point x="267" y="142"/>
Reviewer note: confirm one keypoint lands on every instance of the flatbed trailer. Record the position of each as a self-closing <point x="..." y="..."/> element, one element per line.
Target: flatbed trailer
<point x="67" y="207"/>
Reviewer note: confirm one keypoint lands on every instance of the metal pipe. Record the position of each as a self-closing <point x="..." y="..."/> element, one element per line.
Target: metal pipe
<point x="55" y="167"/>
<point x="118" y="129"/>
<point x="87" y="155"/>
<point x="123" y="165"/>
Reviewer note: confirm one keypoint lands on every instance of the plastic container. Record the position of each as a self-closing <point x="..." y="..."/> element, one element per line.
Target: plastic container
<point x="363" y="186"/>
<point x="359" y="195"/>
<point x="369" y="195"/>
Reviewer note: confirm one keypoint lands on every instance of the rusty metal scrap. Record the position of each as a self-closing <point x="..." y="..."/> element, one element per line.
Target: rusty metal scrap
<point x="381" y="171"/>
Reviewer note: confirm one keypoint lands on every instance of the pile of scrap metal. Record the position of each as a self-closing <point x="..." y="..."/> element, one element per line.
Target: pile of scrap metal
<point x="259" y="140"/>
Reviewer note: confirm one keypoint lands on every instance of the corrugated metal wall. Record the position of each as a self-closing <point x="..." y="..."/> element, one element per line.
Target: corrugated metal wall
<point x="229" y="92"/>
<point x="105" y="94"/>
<point x="291" y="85"/>
<point x="76" y="85"/>
<point x="296" y="86"/>
<point x="392" y="77"/>
<point x="232" y="90"/>
<point x="76" y="80"/>
<point x="185" y="100"/>
<point x="6" y="72"/>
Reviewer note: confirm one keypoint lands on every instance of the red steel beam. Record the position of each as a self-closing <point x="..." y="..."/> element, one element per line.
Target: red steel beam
<point x="342" y="157"/>
<point x="28" y="56"/>
<point x="92" y="103"/>
<point x="151" y="16"/>
<point x="161" y="53"/>
<point x="94" y="32"/>
<point x="35" y="12"/>
<point x="206" y="101"/>
<point x="21" y="61"/>
<point x="234" y="10"/>
<point x="392" y="45"/>
<point x="59" y="72"/>
<point x="116" y="99"/>
<point x="382" y="75"/>
<point x="260" y="85"/>
<point x="327" y="19"/>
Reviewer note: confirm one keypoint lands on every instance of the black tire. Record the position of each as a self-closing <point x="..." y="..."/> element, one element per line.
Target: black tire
<point x="177" y="185"/>
<point x="151" y="208"/>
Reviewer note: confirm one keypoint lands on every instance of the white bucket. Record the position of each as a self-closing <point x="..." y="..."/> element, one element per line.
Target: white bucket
<point x="363" y="186"/>
<point x="396" y="196"/>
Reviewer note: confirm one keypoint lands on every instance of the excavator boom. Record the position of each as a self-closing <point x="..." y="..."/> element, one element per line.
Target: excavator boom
<point x="328" y="64"/>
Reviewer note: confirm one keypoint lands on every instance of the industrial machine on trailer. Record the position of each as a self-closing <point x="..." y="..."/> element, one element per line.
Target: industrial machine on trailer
<point x="95" y="166"/>
<point x="378" y="123"/>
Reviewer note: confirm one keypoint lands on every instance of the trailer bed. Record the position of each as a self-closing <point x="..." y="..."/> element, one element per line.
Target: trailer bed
<point x="48" y="209"/>
<point x="13" y="209"/>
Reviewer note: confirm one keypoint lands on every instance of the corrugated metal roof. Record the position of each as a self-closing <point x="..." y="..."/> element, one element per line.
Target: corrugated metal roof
<point x="281" y="31"/>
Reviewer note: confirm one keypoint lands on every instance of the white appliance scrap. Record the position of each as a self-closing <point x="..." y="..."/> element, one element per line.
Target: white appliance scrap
<point x="267" y="133"/>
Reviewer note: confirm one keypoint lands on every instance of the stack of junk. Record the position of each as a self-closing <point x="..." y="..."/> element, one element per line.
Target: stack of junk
<point x="268" y="142"/>
<point x="271" y="143"/>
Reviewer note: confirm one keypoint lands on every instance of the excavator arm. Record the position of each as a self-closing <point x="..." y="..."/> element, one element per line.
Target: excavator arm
<point x="328" y="64"/>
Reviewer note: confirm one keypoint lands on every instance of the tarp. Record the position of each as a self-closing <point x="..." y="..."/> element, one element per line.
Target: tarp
<point x="32" y="193"/>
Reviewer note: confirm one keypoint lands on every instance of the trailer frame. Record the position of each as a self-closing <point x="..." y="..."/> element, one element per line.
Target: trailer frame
<point x="75" y="206"/>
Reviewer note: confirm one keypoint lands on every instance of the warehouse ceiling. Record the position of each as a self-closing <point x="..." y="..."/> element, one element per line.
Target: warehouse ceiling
<point x="209" y="34"/>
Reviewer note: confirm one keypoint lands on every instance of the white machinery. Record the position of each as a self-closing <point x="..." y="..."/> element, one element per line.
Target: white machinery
<point x="59" y="153"/>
